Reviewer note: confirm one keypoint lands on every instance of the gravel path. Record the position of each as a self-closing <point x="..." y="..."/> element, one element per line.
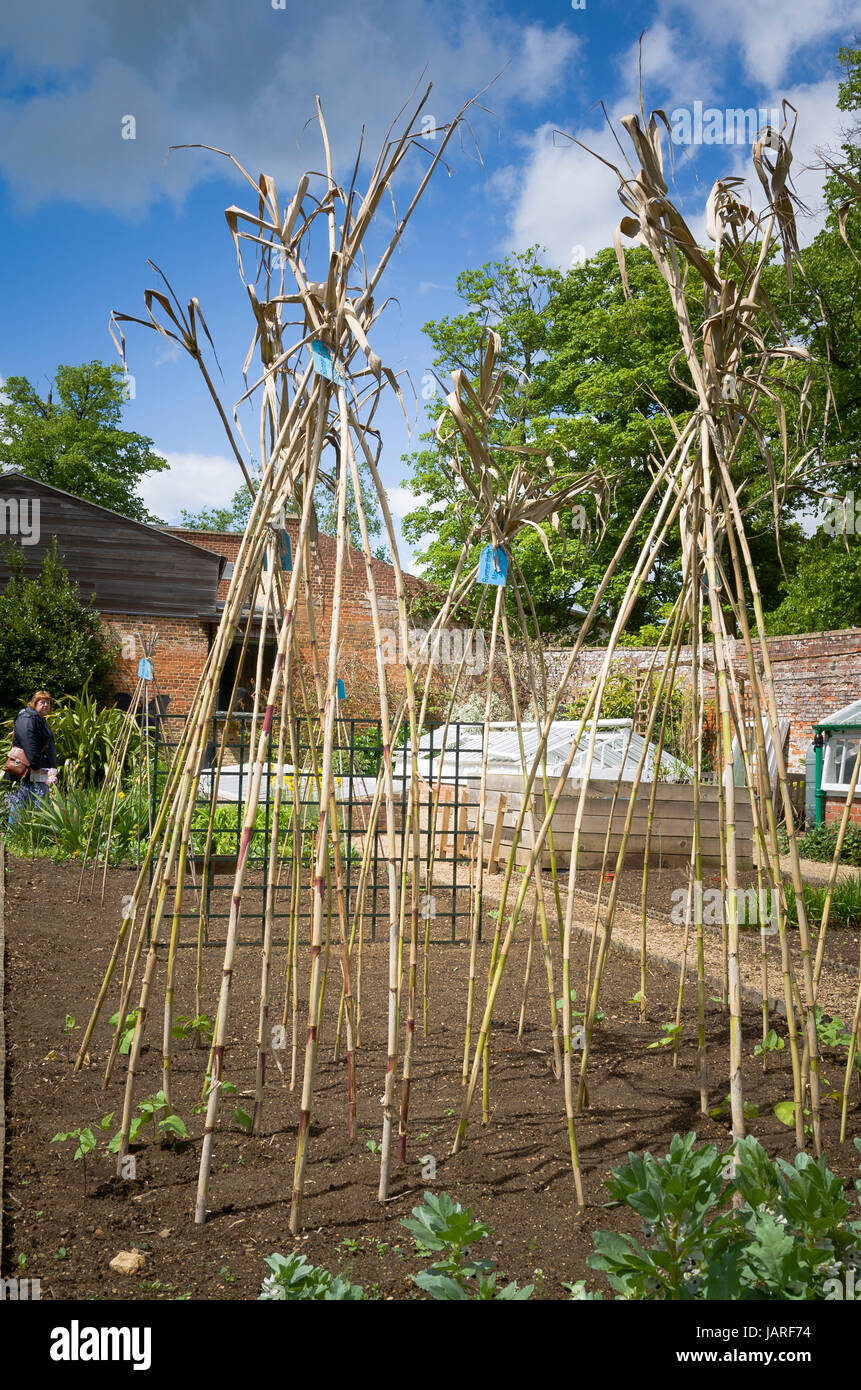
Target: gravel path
<point x="814" y="872"/>
<point x="838" y="984"/>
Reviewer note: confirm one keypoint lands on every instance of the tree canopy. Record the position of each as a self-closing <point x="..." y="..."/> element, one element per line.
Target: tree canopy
<point x="72" y="438"/>
<point x="589" y="371"/>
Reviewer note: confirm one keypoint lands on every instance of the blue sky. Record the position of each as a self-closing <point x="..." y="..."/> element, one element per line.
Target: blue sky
<point x="83" y="208"/>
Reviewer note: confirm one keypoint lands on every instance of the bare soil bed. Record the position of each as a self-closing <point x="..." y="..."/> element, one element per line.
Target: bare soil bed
<point x="514" y="1172"/>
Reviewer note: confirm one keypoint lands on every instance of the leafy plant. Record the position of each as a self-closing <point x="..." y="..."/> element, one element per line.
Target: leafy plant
<point x="86" y="1144"/>
<point x="198" y="1028"/>
<point x="127" y="1031"/>
<point x="86" y="1141"/>
<point x="171" y="1127"/>
<point x="671" y="1032"/>
<point x="845" y="910"/>
<point x="749" y="1109"/>
<point x="831" y="1032"/>
<point x="69" y="1027"/>
<point x="751" y="1229"/>
<point x="58" y="827"/>
<point x="293" y="1278"/>
<point x="820" y="843"/>
<point x="441" y="1227"/>
<point x="679" y="1199"/>
<point x="772" y="1042"/>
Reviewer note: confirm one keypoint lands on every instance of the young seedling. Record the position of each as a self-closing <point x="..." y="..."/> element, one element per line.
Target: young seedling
<point x="171" y="1127"/>
<point x="199" y="1028"/>
<point x="772" y="1042"/>
<point x="750" y="1110"/>
<point x="127" y="1031"/>
<point x="292" y="1278"/>
<point x="671" y="1032"/>
<point x="442" y="1228"/>
<point x="69" y="1027"/>
<point x="86" y="1144"/>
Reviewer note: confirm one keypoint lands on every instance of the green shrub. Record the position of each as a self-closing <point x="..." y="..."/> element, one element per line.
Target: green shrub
<point x="442" y="1228"/>
<point x="49" y="639"/>
<point x="845" y="910"/>
<point x="789" y="1237"/>
<point x="58" y="826"/>
<point x="820" y="843"/>
<point x="620" y="702"/>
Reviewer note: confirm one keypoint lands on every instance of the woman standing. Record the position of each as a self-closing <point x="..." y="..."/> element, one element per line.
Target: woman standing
<point x="33" y="735"/>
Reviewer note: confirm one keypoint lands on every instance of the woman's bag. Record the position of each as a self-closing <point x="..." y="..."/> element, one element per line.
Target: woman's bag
<point x="17" y="763"/>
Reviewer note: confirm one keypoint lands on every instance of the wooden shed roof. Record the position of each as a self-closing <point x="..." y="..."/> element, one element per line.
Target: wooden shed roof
<point x="126" y="566"/>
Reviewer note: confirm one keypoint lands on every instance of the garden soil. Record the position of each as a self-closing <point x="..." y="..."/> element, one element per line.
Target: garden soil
<point x="65" y="1222"/>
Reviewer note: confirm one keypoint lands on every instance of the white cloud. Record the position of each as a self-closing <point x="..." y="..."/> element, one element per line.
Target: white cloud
<point x="402" y="500"/>
<point x="672" y="68"/>
<point x="818" y="128"/>
<point x="193" y="481"/>
<point x="765" y="40"/>
<point x="544" y="59"/>
<point x="243" y="78"/>
<point x="563" y="198"/>
<point x="566" y="198"/>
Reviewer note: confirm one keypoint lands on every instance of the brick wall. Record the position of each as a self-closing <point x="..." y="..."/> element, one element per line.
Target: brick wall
<point x="815" y="674"/>
<point x="357" y="664"/>
<point x="834" y="809"/>
<point x="178" y="659"/>
<point x="183" y="644"/>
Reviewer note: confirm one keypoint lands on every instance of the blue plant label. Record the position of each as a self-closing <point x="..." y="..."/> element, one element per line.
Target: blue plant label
<point x="493" y="566"/>
<point x="145" y="669"/>
<point x="342" y="694"/>
<point x="285" y="552"/>
<point x="323" y="363"/>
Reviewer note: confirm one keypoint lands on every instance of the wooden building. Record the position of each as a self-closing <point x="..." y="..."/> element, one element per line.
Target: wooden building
<point x="141" y="577"/>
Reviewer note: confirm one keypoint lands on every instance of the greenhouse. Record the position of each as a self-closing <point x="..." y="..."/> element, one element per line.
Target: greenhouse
<point x="618" y="749"/>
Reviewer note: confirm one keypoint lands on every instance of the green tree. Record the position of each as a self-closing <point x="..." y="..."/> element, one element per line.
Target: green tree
<point x="49" y="639"/>
<point x="824" y="593"/>
<point x="824" y="309"/>
<point x="822" y="590"/>
<point x="588" y="370"/>
<point x="233" y="517"/>
<point x="72" y="438"/>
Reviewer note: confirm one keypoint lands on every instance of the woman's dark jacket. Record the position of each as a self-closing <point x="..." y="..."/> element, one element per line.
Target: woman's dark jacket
<point x="34" y="736"/>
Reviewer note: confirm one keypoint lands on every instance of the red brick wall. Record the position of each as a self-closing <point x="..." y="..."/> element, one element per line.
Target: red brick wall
<point x="178" y="659"/>
<point x="834" y="809"/>
<point x="183" y="644"/>
<point x="815" y="674"/>
<point x="357" y="665"/>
